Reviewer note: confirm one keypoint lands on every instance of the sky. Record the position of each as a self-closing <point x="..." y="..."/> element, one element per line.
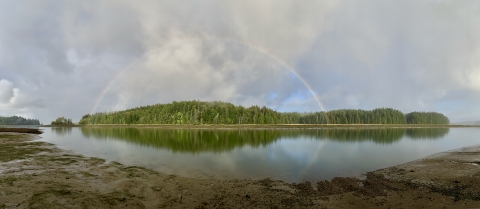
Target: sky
<point x="71" y="58"/>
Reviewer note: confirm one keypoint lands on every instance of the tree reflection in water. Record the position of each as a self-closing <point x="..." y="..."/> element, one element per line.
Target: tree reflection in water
<point x="221" y="140"/>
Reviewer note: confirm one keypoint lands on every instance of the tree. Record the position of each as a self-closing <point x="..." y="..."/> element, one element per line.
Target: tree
<point x="217" y="112"/>
<point x="62" y="121"/>
<point x="17" y="120"/>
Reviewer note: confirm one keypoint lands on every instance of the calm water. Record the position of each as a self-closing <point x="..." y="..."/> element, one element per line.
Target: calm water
<point x="293" y="155"/>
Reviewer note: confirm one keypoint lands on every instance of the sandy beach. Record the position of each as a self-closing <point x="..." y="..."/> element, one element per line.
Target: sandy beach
<point x="36" y="174"/>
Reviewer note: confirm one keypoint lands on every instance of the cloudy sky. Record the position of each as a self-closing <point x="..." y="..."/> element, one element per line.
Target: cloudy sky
<point x="70" y="58"/>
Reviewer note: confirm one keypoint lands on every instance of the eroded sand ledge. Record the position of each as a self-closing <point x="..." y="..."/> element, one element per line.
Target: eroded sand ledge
<point x="35" y="174"/>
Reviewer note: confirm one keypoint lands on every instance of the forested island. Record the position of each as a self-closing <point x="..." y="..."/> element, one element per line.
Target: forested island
<point x="17" y="120"/>
<point x="198" y="112"/>
<point x="62" y="121"/>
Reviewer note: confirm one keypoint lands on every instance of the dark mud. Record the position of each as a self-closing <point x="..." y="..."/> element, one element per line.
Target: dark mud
<point x="21" y="130"/>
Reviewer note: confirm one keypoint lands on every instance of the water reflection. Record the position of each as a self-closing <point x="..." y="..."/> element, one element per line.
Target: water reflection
<point x="376" y="135"/>
<point x="222" y="140"/>
<point x="186" y="140"/>
<point x="426" y="133"/>
<point x="62" y="131"/>
<point x="293" y="155"/>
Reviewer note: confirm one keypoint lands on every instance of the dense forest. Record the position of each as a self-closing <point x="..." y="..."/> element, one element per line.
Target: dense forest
<point x="376" y="116"/>
<point x="189" y="112"/>
<point x="426" y="118"/>
<point x="17" y="120"/>
<point x="198" y="112"/>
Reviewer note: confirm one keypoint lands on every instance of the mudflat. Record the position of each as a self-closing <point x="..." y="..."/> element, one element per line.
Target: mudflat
<point x="21" y="130"/>
<point x="36" y="174"/>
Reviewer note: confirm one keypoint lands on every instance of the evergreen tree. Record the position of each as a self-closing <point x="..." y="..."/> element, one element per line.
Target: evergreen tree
<point x="17" y="120"/>
<point x="62" y="121"/>
<point x="198" y="112"/>
<point x="426" y="118"/>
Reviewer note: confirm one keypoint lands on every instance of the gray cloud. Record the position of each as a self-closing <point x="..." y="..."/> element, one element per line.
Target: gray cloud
<point x="14" y="100"/>
<point x="66" y="57"/>
<point x="403" y="54"/>
<point x="6" y="91"/>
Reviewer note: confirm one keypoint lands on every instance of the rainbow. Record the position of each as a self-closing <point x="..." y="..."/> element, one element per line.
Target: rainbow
<point x="251" y="46"/>
<point x="313" y="159"/>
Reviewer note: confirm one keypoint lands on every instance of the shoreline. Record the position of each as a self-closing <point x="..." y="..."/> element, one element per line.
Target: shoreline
<point x="268" y="126"/>
<point x="21" y="130"/>
<point x="38" y="174"/>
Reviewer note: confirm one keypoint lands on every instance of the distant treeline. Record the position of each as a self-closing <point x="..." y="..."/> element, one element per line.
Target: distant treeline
<point x="197" y="112"/>
<point x="376" y="116"/>
<point x="17" y="120"/>
<point x="426" y="118"/>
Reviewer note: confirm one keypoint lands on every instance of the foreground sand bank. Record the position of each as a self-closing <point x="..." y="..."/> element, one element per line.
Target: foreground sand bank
<point x="35" y="174"/>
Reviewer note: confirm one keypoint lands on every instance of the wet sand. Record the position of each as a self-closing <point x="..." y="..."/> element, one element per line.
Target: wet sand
<point x="36" y="174"/>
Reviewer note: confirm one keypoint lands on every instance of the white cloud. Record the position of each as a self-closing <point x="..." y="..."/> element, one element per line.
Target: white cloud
<point x="403" y="54"/>
<point x="207" y="70"/>
<point x="6" y="91"/>
<point x="14" y="98"/>
<point x="473" y="79"/>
